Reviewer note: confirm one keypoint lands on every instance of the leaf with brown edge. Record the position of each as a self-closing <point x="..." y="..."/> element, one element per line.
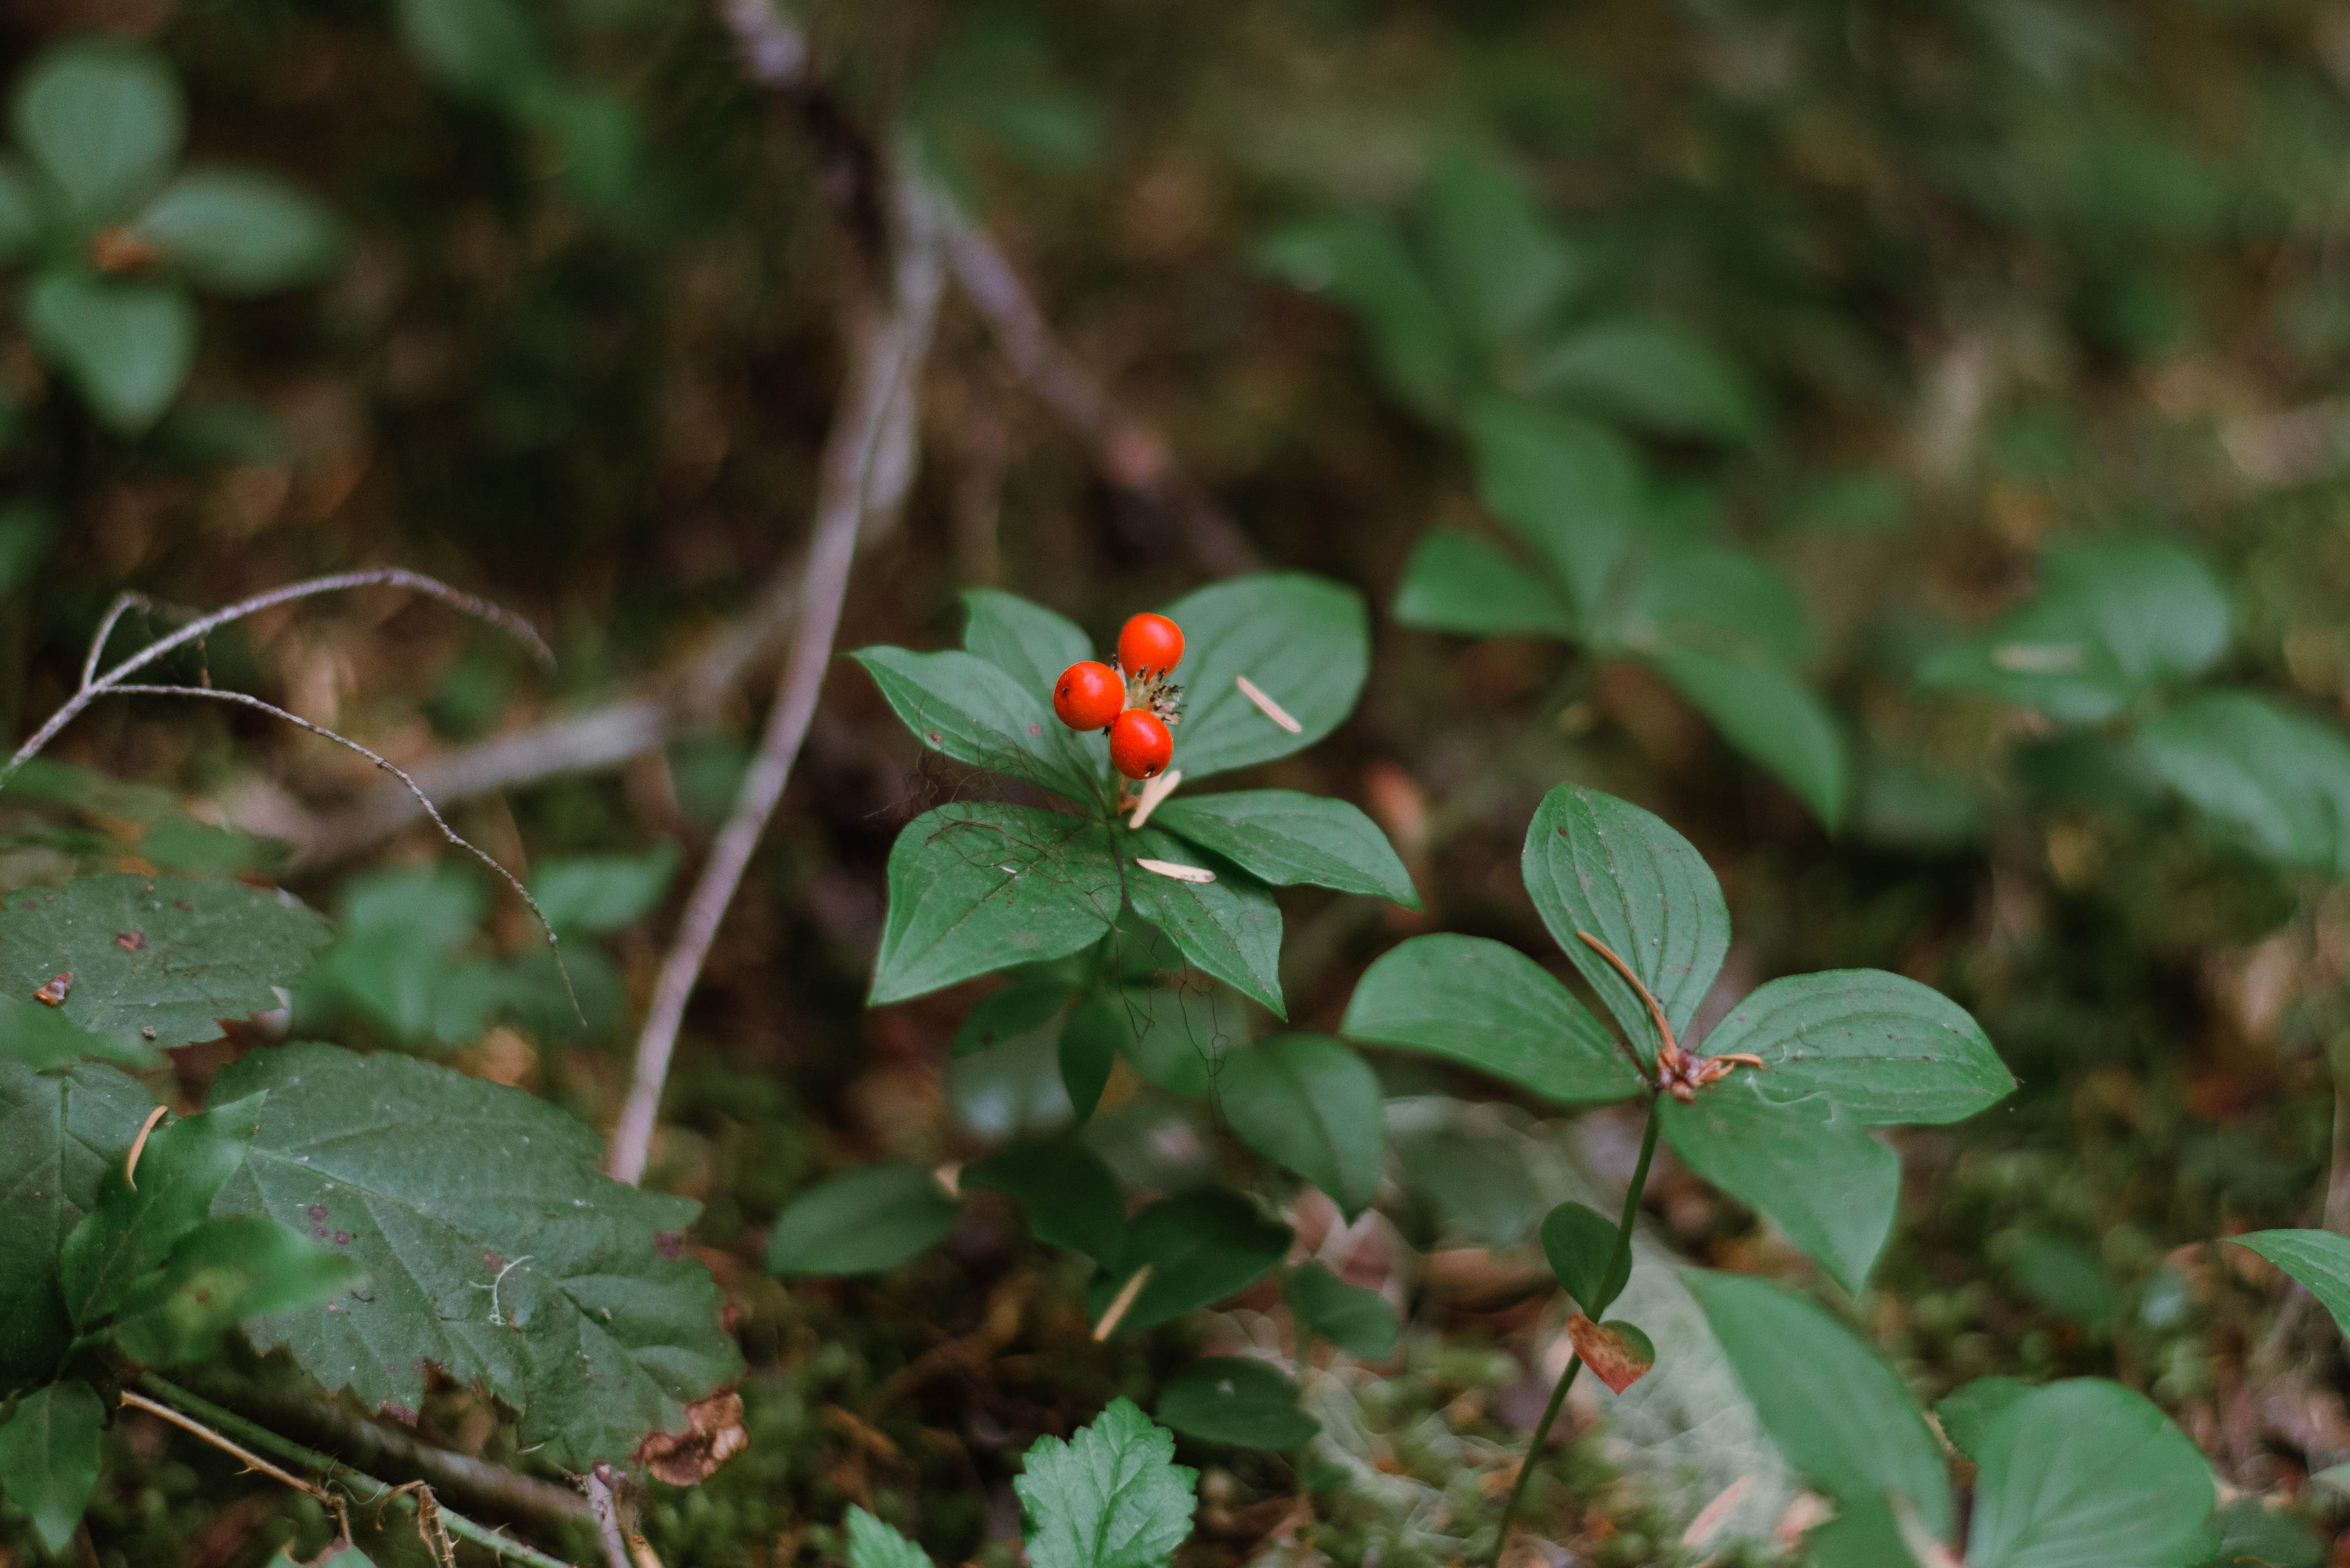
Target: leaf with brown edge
<point x="1619" y="1354"/>
<point x="714" y="1434"/>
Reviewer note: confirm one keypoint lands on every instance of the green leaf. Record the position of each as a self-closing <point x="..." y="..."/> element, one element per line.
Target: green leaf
<point x="1229" y="927"/>
<point x="2087" y="1474"/>
<point x="1809" y="1164"/>
<point x="1358" y="1320"/>
<point x="1716" y="600"/>
<point x="1090" y="1047"/>
<point x="48" y="1457"/>
<point x="103" y="119"/>
<point x="1071" y="1195"/>
<point x="604" y="893"/>
<point x="1474" y="1187"/>
<point x="1030" y="1006"/>
<point x="1312" y="1107"/>
<point x="1597" y="864"/>
<point x="482" y="49"/>
<point x="968" y="709"/>
<point x="1966" y="1414"/>
<point x="2113" y="620"/>
<point x="160" y="954"/>
<point x="1881" y="1047"/>
<point x="873" y="1544"/>
<point x="1488" y="1006"/>
<point x="975" y="886"/>
<point x="1770" y="717"/>
<point x="865" y="1222"/>
<point x="1457" y="582"/>
<point x="132" y="1230"/>
<point x="2253" y="1532"/>
<point x="242" y="231"/>
<point x="1579" y="1243"/>
<point x="1839" y="1414"/>
<point x="2267" y="777"/>
<point x="59" y="1134"/>
<point x="126" y="344"/>
<point x="41" y="1037"/>
<point x="23" y="210"/>
<point x="1284" y="836"/>
<point x="1498" y="261"/>
<point x="1236" y="1399"/>
<point x="218" y="1274"/>
<point x="500" y="1252"/>
<point x="1202" y="1247"/>
<point x="1361" y="260"/>
<point x="1111" y="1497"/>
<point x="2320" y="1260"/>
<point x="1303" y="641"/>
<point x="1571" y="490"/>
<point x="1023" y="638"/>
<point x="1655" y="374"/>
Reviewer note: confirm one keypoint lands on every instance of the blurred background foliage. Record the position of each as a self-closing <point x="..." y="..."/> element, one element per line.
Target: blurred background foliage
<point x="1907" y="311"/>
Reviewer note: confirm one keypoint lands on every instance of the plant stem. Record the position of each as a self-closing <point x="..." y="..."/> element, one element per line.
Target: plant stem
<point x="1616" y="1260"/>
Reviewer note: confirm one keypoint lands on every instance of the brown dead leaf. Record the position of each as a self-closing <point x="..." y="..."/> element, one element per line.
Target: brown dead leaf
<point x="715" y="1435"/>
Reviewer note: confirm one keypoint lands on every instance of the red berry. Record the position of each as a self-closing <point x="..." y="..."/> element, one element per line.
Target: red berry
<point x="1088" y="695"/>
<point x="1150" y="645"/>
<point x="1139" y="746"/>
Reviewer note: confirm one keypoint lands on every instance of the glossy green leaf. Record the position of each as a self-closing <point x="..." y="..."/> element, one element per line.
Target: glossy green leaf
<point x="499" y="1253"/>
<point x="1966" y="1415"/>
<point x="1579" y="1243"/>
<point x="23" y="210"/>
<point x="126" y="344"/>
<point x="1230" y="928"/>
<point x="1596" y="864"/>
<point x="1313" y="1107"/>
<point x="1841" y="1416"/>
<point x="1071" y="1195"/>
<point x="103" y="119"/>
<point x="1360" y="261"/>
<point x="1488" y="1006"/>
<point x="163" y="954"/>
<point x="1499" y="262"/>
<point x="1285" y="836"/>
<point x="961" y="705"/>
<point x="1655" y="374"/>
<point x="1023" y="638"/>
<point x="1110" y="1497"/>
<point x="48" y="1457"/>
<point x="1772" y="718"/>
<point x="873" y="1544"/>
<point x="1358" y="1320"/>
<point x="2320" y="1260"/>
<point x="2266" y="776"/>
<point x="1457" y="582"/>
<point x="1202" y="1247"/>
<point x="604" y="893"/>
<point x="1809" y="1164"/>
<point x="2087" y="1474"/>
<point x="242" y="231"/>
<point x="976" y="887"/>
<point x="1881" y="1047"/>
<point x="141" y="1216"/>
<point x="1568" y="489"/>
<point x="218" y="1274"/>
<point x="865" y="1222"/>
<point x="1303" y="641"/>
<point x="1235" y="1400"/>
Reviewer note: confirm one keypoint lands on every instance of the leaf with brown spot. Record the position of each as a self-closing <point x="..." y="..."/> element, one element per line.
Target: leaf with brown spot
<point x="1619" y="1354"/>
<point x="716" y="1434"/>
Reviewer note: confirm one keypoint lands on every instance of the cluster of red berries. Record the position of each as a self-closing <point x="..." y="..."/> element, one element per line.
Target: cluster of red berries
<point x="1135" y="702"/>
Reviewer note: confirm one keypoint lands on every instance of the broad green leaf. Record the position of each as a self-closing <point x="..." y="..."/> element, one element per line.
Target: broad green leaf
<point x="1883" y="1049"/>
<point x="59" y="1134"/>
<point x="873" y="1544"/>
<point x="242" y="231"/>
<point x="484" y="49"/>
<point x="1655" y="374"/>
<point x="2254" y="1534"/>
<point x="220" y="1273"/>
<point x="1176" y="1035"/>
<point x="1966" y="1415"/>
<point x="2114" y="619"/>
<point x="2272" y="779"/>
<point x="1499" y="262"/>
<point x="1473" y="1185"/>
<point x="1110" y="1497"/>
<point x="127" y="344"/>
<point x="1229" y="927"/>
<point x="1716" y="600"/>
<point x="1579" y="1243"/>
<point x="22" y="212"/>
<point x="1358" y="1320"/>
<point x="1570" y="490"/>
<point x="156" y="961"/>
<point x="1839" y="1414"/>
<point x="48" y="1457"/>
<point x="1202" y="1247"/>
<point x="135" y="1224"/>
<point x="499" y="1252"/>
<point x="963" y="706"/>
<point x="1488" y="1006"/>
<point x="865" y="1222"/>
<point x="1311" y="1106"/>
<point x="2087" y="1474"/>
<point x="1303" y="641"/>
<point x="1089" y="1046"/>
<point x="1596" y="864"/>
<point x="974" y="887"/>
<point x="1865" y="1533"/>
<point x="2320" y="1260"/>
<point x="1361" y="260"/>
<point x="1285" y="836"/>
<point x="1071" y="1195"/>
<point x="1235" y="1400"/>
<point x="42" y="1037"/>
<point x="604" y="893"/>
<point x="1457" y="582"/>
<point x="1030" y="1006"/>
<point x="1023" y="638"/>
<point x="1810" y="1166"/>
<point x="103" y="119"/>
<point x="1770" y="716"/>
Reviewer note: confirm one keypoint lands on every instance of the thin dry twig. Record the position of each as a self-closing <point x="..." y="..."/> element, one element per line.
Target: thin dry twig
<point x="251" y="1460"/>
<point x="604" y="1502"/>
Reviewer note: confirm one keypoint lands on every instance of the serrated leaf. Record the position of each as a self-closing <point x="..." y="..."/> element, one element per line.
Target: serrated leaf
<point x="136" y="1223"/>
<point x="1311" y="1106"/>
<point x="1772" y="718"/>
<point x="103" y="118"/>
<point x="604" y="893"/>
<point x="1594" y="863"/>
<point x="40" y="1038"/>
<point x="1358" y="1320"/>
<point x="1284" y="836"/>
<point x="1021" y="637"/>
<point x="1569" y="490"/>
<point x="1656" y="374"/>
<point x="1579" y="1243"/>
<point x="1361" y="260"/>
<point x="1455" y="582"/>
<point x="218" y="1274"/>
<point x="1839" y="1414"/>
<point x="865" y="1222"/>
<point x="1200" y="1247"/>
<point x="976" y="887"/>
<point x="873" y="1544"/>
<point x="1230" y="928"/>
<point x="1810" y="1166"/>
<point x="500" y="1253"/>
<point x="2267" y="777"/>
<point x="1110" y="1497"/>
<point x="1072" y="1197"/>
<point x="126" y="344"/>
<point x="1303" y="640"/>
<point x="242" y="231"/>
<point x="1235" y="1400"/>
<point x="1488" y="1006"/>
<point x="48" y="1457"/>
<point x="1966" y="1412"/>
<point x="1499" y="262"/>
<point x="161" y="953"/>
<point x="961" y="705"/>
<point x="2087" y="1474"/>
<point x="1881" y="1047"/>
